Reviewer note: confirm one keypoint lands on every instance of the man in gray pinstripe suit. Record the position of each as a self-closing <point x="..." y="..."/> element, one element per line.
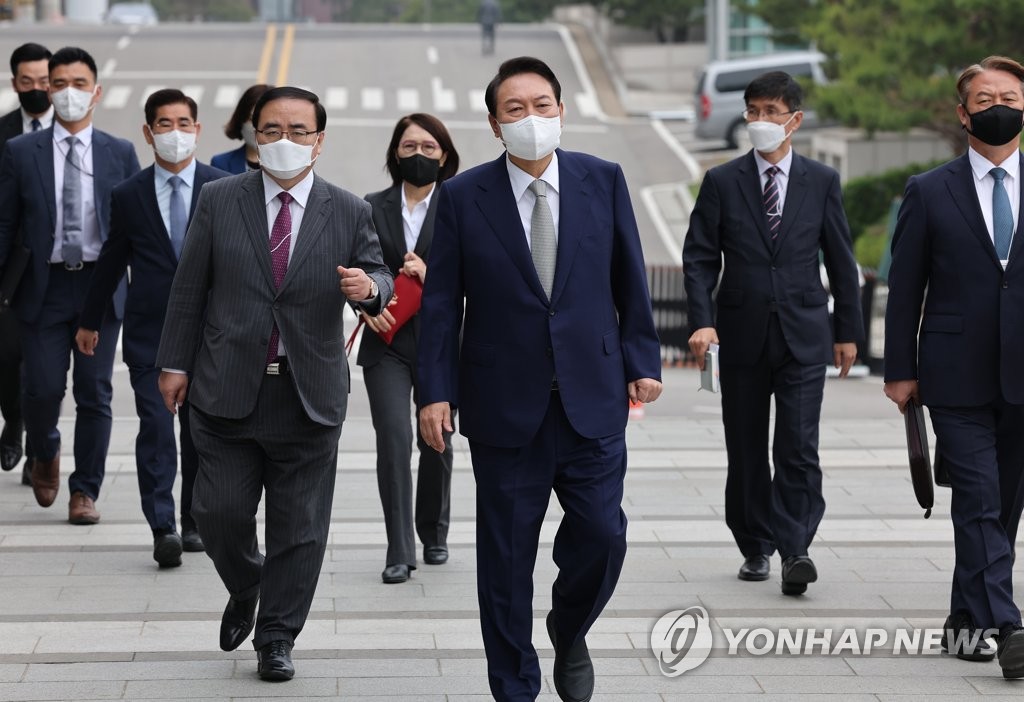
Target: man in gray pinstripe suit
<point x="255" y="323"/>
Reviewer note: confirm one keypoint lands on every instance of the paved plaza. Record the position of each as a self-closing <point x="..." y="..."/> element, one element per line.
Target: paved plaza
<point x="85" y="614"/>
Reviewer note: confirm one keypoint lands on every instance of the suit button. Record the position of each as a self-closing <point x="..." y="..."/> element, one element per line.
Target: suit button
<point x="549" y="352"/>
<point x="276" y="306"/>
<point x="551" y="313"/>
<point x="1005" y="285"/>
<point x="773" y="269"/>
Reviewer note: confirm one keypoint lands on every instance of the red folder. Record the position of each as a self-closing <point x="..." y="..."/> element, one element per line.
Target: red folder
<point x="408" y="293"/>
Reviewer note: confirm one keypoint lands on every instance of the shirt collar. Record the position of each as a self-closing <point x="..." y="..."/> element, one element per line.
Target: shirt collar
<point x="425" y="202"/>
<point x="300" y="191"/>
<point x="187" y="174"/>
<point x="981" y="165"/>
<point x="784" y="165"/>
<point x="521" y="179"/>
<point x="60" y="134"/>
<point x="44" y="119"/>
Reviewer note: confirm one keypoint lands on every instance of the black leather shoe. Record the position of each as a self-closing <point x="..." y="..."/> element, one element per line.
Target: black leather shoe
<point x="10" y="445"/>
<point x="1011" y="654"/>
<point x="395" y="574"/>
<point x="237" y="623"/>
<point x="573" y="672"/>
<point x="797" y="571"/>
<point x="435" y="555"/>
<point x="167" y="550"/>
<point x="274" y="661"/>
<point x="755" y="568"/>
<point x="967" y="640"/>
<point x="26" y="473"/>
<point x="191" y="541"/>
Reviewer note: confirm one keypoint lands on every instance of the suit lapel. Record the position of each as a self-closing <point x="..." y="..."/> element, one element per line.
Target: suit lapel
<point x="314" y="221"/>
<point x="44" y="166"/>
<point x="750" y="189"/>
<point x="146" y="190"/>
<point x="574" y="218"/>
<point x="253" y="209"/>
<point x="960" y="184"/>
<point x="104" y="179"/>
<point x="796" y="192"/>
<point x="392" y="238"/>
<point x="1017" y="243"/>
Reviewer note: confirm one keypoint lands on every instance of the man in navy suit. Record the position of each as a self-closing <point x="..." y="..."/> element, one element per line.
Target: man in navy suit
<point x="30" y="76"/>
<point x="149" y="215"/>
<point x="55" y="195"/>
<point x="555" y="338"/>
<point x="769" y="215"/>
<point x="961" y="356"/>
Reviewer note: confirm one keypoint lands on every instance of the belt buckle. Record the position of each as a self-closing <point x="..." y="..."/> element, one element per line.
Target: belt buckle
<point x="74" y="266"/>
<point x="273" y="368"/>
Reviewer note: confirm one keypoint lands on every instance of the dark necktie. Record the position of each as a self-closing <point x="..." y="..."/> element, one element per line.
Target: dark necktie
<point x="1002" y="215"/>
<point x="71" y="243"/>
<point x="772" y="206"/>
<point x="279" y="244"/>
<point x="36" y="125"/>
<point x="543" y="248"/>
<point x="177" y="215"/>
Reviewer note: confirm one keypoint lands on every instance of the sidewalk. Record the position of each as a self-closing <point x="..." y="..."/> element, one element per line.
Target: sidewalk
<point x="85" y="613"/>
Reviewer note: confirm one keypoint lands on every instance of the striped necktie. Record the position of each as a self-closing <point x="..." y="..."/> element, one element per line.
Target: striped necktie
<point x="772" y="206"/>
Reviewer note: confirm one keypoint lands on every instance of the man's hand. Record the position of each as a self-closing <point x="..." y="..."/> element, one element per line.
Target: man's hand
<point x="435" y="419"/>
<point x="415" y="267"/>
<point x="355" y="284"/>
<point x="644" y="390"/>
<point x="699" y="342"/>
<point x="87" y="340"/>
<point x="173" y="388"/>
<point x="844" y="355"/>
<point x="901" y="392"/>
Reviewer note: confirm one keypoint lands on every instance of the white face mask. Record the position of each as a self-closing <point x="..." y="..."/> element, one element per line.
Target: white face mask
<point x="766" y="137"/>
<point x="532" y="138"/>
<point x="249" y="135"/>
<point x="174" y="146"/>
<point x="72" y="104"/>
<point x="285" y="160"/>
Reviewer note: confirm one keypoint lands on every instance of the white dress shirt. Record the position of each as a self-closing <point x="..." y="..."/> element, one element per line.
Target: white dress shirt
<point x="164" y="189"/>
<point x="412" y="222"/>
<point x="984" y="183"/>
<point x="45" y="120"/>
<point x="525" y="198"/>
<point x="781" y="178"/>
<point x="91" y="240"/>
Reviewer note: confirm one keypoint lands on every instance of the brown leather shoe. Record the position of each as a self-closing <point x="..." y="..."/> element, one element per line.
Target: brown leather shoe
<point x="82" y="510"/>
<point x="46" y="480"/>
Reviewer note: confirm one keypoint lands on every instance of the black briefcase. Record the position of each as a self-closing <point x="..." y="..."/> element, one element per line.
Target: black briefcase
<point x="920" y="457"/>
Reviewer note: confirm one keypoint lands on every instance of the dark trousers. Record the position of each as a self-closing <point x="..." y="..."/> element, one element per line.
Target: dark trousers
<point x="389" y="383"/>
<point x="156" y="453"/>
<point x="48" y="345"/>
<point x="766" y="513"/>
<point x="280" y="450"/>
<point x="513" y="488"/>
<point x="984" y="448"/>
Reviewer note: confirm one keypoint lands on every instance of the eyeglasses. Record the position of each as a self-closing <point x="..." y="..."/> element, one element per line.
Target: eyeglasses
<point x="428" y="148"/>
<point x="166" y="125"/>
<point x="295" y="135"/>
<point x="771" y="114"/>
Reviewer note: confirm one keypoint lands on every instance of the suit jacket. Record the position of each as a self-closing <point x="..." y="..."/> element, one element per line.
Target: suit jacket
<point x="225" y="267"/>
<point x="594" y="335"/>
<point x="387" y="220"/>
<point x="967" y="346"/>
<point x="761" y="276"/>
<point x="231" y="161"/>
<point x="139" y="238"/>
<point x="28" y="205"/>
<point x="11" y="126"/>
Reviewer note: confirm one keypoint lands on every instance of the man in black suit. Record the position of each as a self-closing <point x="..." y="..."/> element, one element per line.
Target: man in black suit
<point x="769" y="213"/>
<point x="30" y="76"/>
<point x="956" y="240"/>
<point x="55" y="198"/>
<point x="149" y="215"/>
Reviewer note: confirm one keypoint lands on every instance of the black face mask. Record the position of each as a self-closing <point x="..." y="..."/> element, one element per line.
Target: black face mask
<point x="418" y="169"/>
<point x="35" y="102"/>
<point x="996" y="125"/>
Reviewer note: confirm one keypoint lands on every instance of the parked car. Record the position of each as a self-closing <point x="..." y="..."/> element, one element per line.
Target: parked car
<point x="720" y="89"/>
<point x="138" y="13"/>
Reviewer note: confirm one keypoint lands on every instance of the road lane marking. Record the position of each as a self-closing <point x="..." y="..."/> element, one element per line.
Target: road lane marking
<point x="581" y="72"/>
<point x="647" y="195"/>
<point x="481" y="124"/>
<point x="372" y="98"/>
<point x="268" y="53"/>
<point x="147" y="91"/>
<point x="432" y="55"/>
<point x="444" y="99"/>
<point x="408" y="99"/>
<point x="123" y="43"/>
<point x="337" y="98"/>
<point x="286" y="55"/>
<point x="186" y="75"/>
<point x="477" y="103"/>
<point x="587" y="106"/>
<point x="689" y="162"/>
<point x="116" y="97"/>
<point x="8" y="99"/>
<point x="194" y="91"/>
<point x="227" y="96"/>
<point x="108" y="68"/>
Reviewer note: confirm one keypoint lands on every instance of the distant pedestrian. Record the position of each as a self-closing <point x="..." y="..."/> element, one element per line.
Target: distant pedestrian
<point x="245" y="157"/>
<point x="488" y="16"/>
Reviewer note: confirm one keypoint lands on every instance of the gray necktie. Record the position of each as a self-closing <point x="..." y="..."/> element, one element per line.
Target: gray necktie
<point x="1002" y="215"/>
<point x="543" y="247"/>
<point x="71" y="244"/>
<point x="178" y="218"/>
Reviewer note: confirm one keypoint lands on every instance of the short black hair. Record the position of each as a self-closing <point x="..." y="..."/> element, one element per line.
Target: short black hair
<point x="433" y="126"/>
<point x="243" y="110"/>
<point x="775" y="85"/>
<point x="28" y="52"/>
<point x="288" y="92"/>
<point x="72" y="54"/>
<point x="515" y="67"/>
<point x="168" y="96"/>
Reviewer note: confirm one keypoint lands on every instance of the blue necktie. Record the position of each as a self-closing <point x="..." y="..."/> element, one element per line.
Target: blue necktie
<point x="177" y="215"/>
<point x="36" y="125"/>
<point x="1002" y="215"/>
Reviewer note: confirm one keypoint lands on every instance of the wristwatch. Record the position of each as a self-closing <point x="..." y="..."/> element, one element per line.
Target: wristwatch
<point x="373" y="289"/>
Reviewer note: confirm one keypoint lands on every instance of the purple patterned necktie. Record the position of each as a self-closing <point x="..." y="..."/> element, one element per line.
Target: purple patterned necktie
<point x="772" y="208"/>
<point x="279" y="245"/>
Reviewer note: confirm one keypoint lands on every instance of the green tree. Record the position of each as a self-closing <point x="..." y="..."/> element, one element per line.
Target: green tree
<point x="671" y="20"/>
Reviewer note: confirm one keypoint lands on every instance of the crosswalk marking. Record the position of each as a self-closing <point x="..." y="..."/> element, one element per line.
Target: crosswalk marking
<point x="194" y="91"/>
<point x="408" y="99"/>
<point x="444" y="99"/>
<point x="372" y="98"/>
<point x="587" y="105"/>
<point x="8" y="99"/>
<point x="147" y="91"/>
<point x="337" y="98"/>
<point x="227" y="96"/>
<point x="116" y="97"/>
<point x="476" y="100"/>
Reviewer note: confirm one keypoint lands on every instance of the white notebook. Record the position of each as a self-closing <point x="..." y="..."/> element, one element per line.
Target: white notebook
<point x="709" y="376"/>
